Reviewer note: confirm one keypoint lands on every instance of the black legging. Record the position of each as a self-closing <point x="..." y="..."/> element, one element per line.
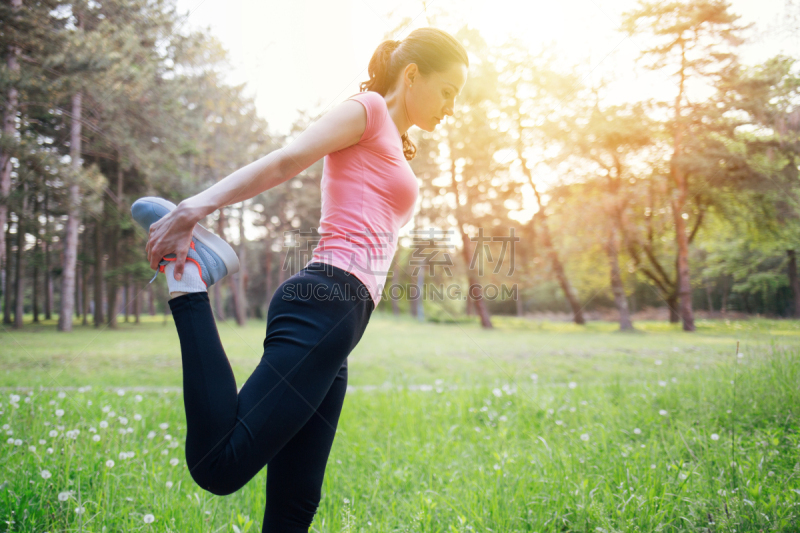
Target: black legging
<point x="287" y="412"/>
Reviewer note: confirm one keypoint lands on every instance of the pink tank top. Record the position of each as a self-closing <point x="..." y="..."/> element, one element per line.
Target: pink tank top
<point x="368" y="193"/>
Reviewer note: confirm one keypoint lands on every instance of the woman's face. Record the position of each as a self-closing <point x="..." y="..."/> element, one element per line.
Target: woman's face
<point x="432" y="97"/>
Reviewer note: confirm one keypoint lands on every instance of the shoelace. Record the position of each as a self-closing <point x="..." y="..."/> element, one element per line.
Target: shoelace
<point x="161" y="265"/>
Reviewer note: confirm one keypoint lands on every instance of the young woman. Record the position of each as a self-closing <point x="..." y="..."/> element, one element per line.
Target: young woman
<point x="286" y="414"/>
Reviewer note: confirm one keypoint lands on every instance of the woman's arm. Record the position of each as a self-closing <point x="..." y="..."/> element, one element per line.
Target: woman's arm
<point x="341" y="127"/>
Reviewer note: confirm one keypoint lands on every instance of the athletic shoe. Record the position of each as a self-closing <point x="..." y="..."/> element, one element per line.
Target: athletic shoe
<point x="214" y="257"/>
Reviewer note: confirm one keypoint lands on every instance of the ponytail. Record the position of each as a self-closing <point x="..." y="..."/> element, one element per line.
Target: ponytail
<point x="431" y="49"/>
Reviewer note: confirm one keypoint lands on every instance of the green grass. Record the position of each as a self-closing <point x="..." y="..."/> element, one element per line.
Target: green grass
<point x="483" y="448"/>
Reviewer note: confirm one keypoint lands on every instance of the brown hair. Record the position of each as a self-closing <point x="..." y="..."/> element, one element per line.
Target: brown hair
<point x="431" y="49"/>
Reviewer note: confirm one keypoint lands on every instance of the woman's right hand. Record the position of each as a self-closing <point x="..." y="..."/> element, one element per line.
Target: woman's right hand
<point x="171" y="234"/>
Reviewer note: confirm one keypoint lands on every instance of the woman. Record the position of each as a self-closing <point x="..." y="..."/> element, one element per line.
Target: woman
<point x="286" y="413"/>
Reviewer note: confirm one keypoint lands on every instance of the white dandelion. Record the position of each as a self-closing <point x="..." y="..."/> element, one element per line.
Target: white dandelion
<point x="662" y="383"/>
<point x="123" y="420"/>
<point x="169" y="484"/>
<point x="151" y="435"/>
<point x="110" y="463"/>
<point x="49" y="450"/>
<point x="59" y="413"/>
<point x="148" y="518"/>
<point x="80" y="510"/>
<point x="96" y="438"/>
<point x="42" y="442"/>
<point x="106" y="409"/>
<point x="658" y="362"/>
<point x="585" y="437"/>
<point x="63" y="496"/>
<point x="663" y="412"/>
<point x="637" y="431"/>
<point x="62" y="395"/>
<point x="559" y="422"/>
<point x="53" y="433"/>
<point x="138" y="397"/>
<point x="714" y="436"/>
<point x="163" y="425"/>
<point x="572" y="384"/>
<point x="173" y="461"/>
<point x="103" y="424"/>
<point x="137" y="417"/>
<point x="18" y="442"/>
<point x="120" y="392"/>
<point x="46" y="474"/>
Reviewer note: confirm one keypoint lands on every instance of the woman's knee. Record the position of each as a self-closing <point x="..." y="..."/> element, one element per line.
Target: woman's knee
<point x="216" y="481"/>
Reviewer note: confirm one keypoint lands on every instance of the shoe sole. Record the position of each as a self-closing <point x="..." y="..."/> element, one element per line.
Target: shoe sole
<point x="212" y="241"/>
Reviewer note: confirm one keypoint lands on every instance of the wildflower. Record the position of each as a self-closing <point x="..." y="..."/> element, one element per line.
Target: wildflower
<point x="73" y="434"/>
<point x="584" y="402"/>
<point x="173" y="461"/>
<point x="62" y="395"/>
<point x="148" y="518"/>
<point x="572" y="384"/>
<point x="168" y="437"/>
<point x="682" y="475"/>
<point x="6" y="426"/>
<point x="14" y="398"/>
<point x="496" y="466"/>
<point x="9" y="432"/>
<point x="129" y="430"/>
<point x="652" y="467"/>
<point x="138" y="397"/>
<point x="53" y="433"/>
<point x="137" y="417"/>
<point x="46" y="474"/>
<point x="169" y="484"/>
<point x="110" y="463"/>
<point x="714" y="436"/>
<point x="151" y="435"/>
<point x="739" y="355"/>
<point x="96" y="438"/>
<point x="59" y="412"/>
<point x="112" y="414"/>
<point x="123" y="420"/>
<point x="637" y="431"/>
<point x="42" y="442"/>
<point x="503" y="418"/>
<point x="10" y="440"/>
<point x="49" y="450"/>
<point x="571" y="409"/>
<point x="497" y="392"/>
<point x="32" y="448"/>
<point x="103" y="424"/>
<point x="559" y="422"/>
<point x="585" y="437"/>
<point x="163" y="425"/>
<point x="18" y="442"/>
<point x="662" y="412"/>
<point x="106" y="409"/>
<point x="535" y="377"/>
<point x="658" y="362"/>
<point x="120" y="392"/>
<point x="662" y="383"/>
<point x="63" y="496"/>
<point x="80" y="510"/>
<point x="92" y="429"/>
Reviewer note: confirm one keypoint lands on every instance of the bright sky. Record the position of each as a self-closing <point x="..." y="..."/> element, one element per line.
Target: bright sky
<point x="312" y="54"/>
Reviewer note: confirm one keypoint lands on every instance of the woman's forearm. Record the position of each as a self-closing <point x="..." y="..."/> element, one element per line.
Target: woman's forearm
<point x="243" y="184"/>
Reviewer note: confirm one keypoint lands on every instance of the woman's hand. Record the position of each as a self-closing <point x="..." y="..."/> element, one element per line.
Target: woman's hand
<point x="171" y="234"/>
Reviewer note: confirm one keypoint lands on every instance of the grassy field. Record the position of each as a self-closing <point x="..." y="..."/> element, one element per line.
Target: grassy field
<point x="534" y="426"/>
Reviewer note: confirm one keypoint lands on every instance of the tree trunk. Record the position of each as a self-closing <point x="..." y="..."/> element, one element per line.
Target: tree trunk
<point x="709" y="298"/>
<point x="19" y="275"/>
<point x="233" y="281"/>
<point x="9" y="130"/>
<point x="678" y="203"/>
<point x="474" y="290"/>
<point x="7" y="293"/>
<point x="552" y="254"/>
<point x="85" y="287"/>
<point x="617" y="287"/>
<point x="137" y="302"/>
<point x="35" y="273"/>
<point x="151" y="303"/>
<point x="71" y="236"/>
<point x="48" y="277"/>
<point x="674" y="312"/>
<point x="241" y="302"/>
<point x="98" y="273"/>
<point x="794" y="282"/>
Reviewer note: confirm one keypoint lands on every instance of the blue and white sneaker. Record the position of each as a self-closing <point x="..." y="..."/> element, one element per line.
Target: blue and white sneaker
<point x="214" y="257"/>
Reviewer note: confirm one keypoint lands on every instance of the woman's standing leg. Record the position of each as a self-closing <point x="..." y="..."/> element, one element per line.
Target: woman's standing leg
<point x="296" y="473"/>
<point x="230" y="438"/>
